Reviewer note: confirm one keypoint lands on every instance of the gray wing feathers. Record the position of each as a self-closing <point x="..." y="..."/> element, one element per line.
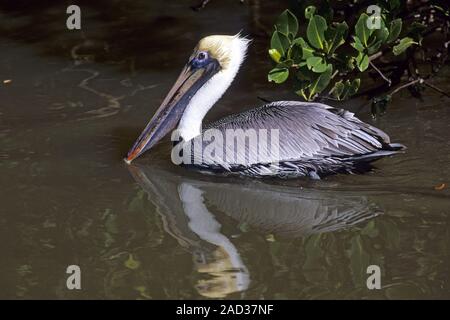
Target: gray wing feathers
<point x="308" y="130"/>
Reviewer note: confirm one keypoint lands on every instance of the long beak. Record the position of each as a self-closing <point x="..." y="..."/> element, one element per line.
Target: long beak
<point x="172" y="108"/>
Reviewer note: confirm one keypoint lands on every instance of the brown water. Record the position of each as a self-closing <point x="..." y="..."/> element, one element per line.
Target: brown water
<point x="76" y="102"/>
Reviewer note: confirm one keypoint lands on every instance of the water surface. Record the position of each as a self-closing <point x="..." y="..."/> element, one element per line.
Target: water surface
<point x="76" y="102"/>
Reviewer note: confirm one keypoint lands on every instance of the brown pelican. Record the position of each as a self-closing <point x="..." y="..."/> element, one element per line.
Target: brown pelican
<point x="313" y="139"/>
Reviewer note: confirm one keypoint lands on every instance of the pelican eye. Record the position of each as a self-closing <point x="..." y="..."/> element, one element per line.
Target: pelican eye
<point x="201" y="59"/>
<point x="202" y="56"/>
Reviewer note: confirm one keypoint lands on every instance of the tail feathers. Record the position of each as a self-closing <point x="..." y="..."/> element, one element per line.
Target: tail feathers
<point x="396" y="147"/>
<point x="374" y="156"/>
<point x="388" y="150"/>
<point x="363" y="163"/>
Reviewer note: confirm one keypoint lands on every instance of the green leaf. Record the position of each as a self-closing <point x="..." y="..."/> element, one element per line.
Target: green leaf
<point x="416" y="30"/>
<point x="305" y="75"/>
<point x="321" y="82"/>
<point x="404" y="44"/>
<point x="394" y="30"/>
<point x="309" y="12"/>
<point x="417" y="27"/>
<point x="361" y="29"/>
<point x="302" y="93"/>
<point x="343" y="90"/>
<point x="354" y="86"/>
<point x="338" y="89"/>
<point x="362" y="61"/>
<point x="312" y="61"/>
<point x="350" y="63"/>
<point x="315" y="31"/>
<point x="279" y="42"/>
<point x="295" y="53"/>
<point x="381" y="34"/>
<point x="335" y="36"/>
<point x="316" y="64"/>
<point x="357" y="44"/>
<point x="374" y="47"/>
<point x="303" y="80"/>
<point x="307" y="51"/>
<point x="285" y="64"/>
<point x="321" y="67"/>
<point x="287" y="24"/>
<point x="275" y="55"/>
<point x="278" y="75"/>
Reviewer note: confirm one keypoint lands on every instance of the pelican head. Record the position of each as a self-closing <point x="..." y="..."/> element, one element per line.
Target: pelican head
<point x="209" y="72"/>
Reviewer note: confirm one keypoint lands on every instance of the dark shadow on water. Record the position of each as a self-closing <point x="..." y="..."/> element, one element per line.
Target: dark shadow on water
<point x="141" y="31"/>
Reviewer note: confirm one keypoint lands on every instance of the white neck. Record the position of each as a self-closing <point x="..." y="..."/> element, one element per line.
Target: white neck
<point x="190" y="124"/>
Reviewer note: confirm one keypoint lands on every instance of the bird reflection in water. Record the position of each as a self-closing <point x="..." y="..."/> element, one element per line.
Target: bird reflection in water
<point x="183" y="205"/>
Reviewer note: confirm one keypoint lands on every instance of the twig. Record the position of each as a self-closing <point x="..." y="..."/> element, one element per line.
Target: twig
<point x="436" y="89"/>
<point x="420" y="80"/>
<point x="376" y="55"/>
<point x="332" y="89"/>
<point x="380" y="73"/>
<point x="334" y="74"/>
